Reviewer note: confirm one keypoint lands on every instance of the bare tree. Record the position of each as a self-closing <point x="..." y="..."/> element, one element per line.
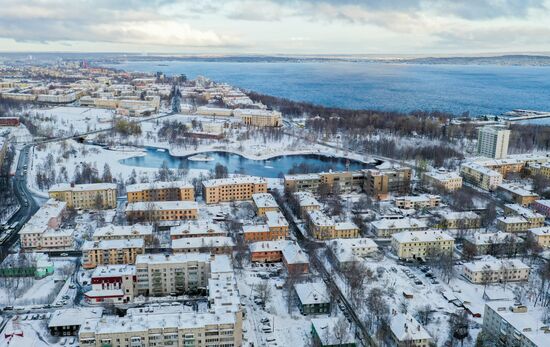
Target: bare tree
<point x="263" y="290"/>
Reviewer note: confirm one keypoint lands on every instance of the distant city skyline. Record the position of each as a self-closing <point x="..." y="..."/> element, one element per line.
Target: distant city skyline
<point x="288" y="27"/>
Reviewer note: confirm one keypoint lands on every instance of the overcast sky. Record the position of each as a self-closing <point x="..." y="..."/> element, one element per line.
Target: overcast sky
<point x="277" y="27"/>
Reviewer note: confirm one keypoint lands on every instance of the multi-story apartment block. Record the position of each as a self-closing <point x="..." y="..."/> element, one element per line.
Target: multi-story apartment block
<point x="507" y="324"/>
<point x="418" y="202"/>
<point x="388" y="227"/>
<point x="448" y="181"/>
<point x="264" y="202"/>
<point x="421" y="244"/>
<point x="459" y="220"/>
<point x="212" y="245"/>
<point x="513" y="224"/>
<point x="541" y="169"/>
<point x="535" y="219"/>
<point x="259" y="118"/>
<point x="196" y="229"/>
<point x="346" y="251"/>
<point x="492" y="270"/>
<point x="85" y="196"/>
<point x="492" y="243"/>
<point x="111" y="252"/>
<point x="406" y="331"/>
<point x="516" y="193"/>
<point x="378" y="183"/>
<point x="164" y="274"/>
<point x="275" y="228"/>
<point x="113" y="284"/>
<point x="323" y="227"/>
<point x="492" y="142"/>
<point x="541" y="236"/>
<point x="124" y="232"/>
<point x="542" y="206"/>
<point x="343" y="181"/>
<point x="306" y="202"/>
<point x="480" y="176"/>
<point x="42" y="229"/>
<point x="232" y="189"/>
<point x="162" y="210"/>
<point x="161" y="191"/>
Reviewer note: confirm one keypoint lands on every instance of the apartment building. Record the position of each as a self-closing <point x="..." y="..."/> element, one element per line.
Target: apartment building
<point x="306" y="202"/>
<point x="535" y="219"/>
<point x="287" y="252"/>
<point x="449" y="181"/>
<point x="542" y="206"/>
<point x="264" y="202"/>
<point x="343" y="252"/>
<point x="406" y="331"/>
<point x="323" y="227"/>
<point x="492" y="142"/>
<point x="378" y="183"/>
<point x="421" y="244"/>
<point x="507" y="324"/>
<point x="47" y="219"/>
<point x="85" y="196"/>
<point x="492" y="243"/>
<point x="162" y="210"/>
<point x="197" y="229"/>
<point x="111" y="252"/>
<point x="259" y="117"/>
<point x="124" y="232"/>
<point x="493" y="270"/>
<point x="541" y="236"/>
<point x="67" y="321"/>
<point x="480" y="176"/>
<point x="211" y="245"/>
<point x="161" y="191"/>
<point x="164" y="328"/>
<point x="343" y="181"/>
<point x="164" y="274"/>
<point x="232" y="189"/>
<point x="541" y="169"/>
<point x="112" y="284"/>
<point x="513" y="224"/>
<point x="387" y="227"/>
<point x="516" y="193"/>
<point x="459" y="220"/>
<point x="418" y="202"/>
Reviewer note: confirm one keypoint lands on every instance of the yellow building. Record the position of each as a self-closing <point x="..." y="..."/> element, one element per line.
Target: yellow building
<point x="448" y="181"/>
<point x="378" y="183"/>
<point x="162" y="210"/>
<point x="306" y="202"/>
<point x="517" y="224"/>
<point x="85" y="196"/>
<point x="259" y="118"/>
<point x="421" y="244"/>
<point x="111" y="252"/>
<point x="232" y="189"/>
<point x="264" y="202"/>
<point x="541" y="236"/>
<point x="418" y="201"/>
<point x="322" y="227"/>
<point x="492" y="270"/>
<point x="480" y="176"/>
<point x="160" y="191"/>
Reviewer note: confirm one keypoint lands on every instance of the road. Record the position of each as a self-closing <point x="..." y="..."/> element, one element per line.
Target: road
<point x="362" y="333"/>
<point x="25" y="197"/>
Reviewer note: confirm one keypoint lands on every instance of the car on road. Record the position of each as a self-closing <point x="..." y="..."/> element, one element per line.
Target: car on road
<point x="264" y="320"/>
<point x="63" y="254"/>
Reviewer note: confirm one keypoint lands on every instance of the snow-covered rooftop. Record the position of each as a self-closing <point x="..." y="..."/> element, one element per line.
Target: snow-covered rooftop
<point x="157" y="185"/>
<point x="493" y="264"/>
<point x="403" y="223"/>
<point x="114" y="271"/>
<point x="490" y="238"/>
<point x="275" y="219"/>
<point x="38" y="223"/>
<point x="517" y="189"/>
<point x="113" y="244"/>
<point x="311" y="293"/>
<point x="325" y="328"/>
<point x="306" y="199"/>
<point x="319" y="218"/>
<point x="421" y="236"/>
<point x="443" y="175"/>
<point x="540" y="231"/>
<point x="171" y="258"/>
<point x="264" y="200"/>
<point x="207" y="242"/>
<point x="197" y="227"/>
<point x="405" y="328"/>
<point x="233" y="180"/>
<point x="74" y="316"/>
<point x="63" y="187"/>
<point x="523" y="211"/>
<point x="123" y="230"/>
